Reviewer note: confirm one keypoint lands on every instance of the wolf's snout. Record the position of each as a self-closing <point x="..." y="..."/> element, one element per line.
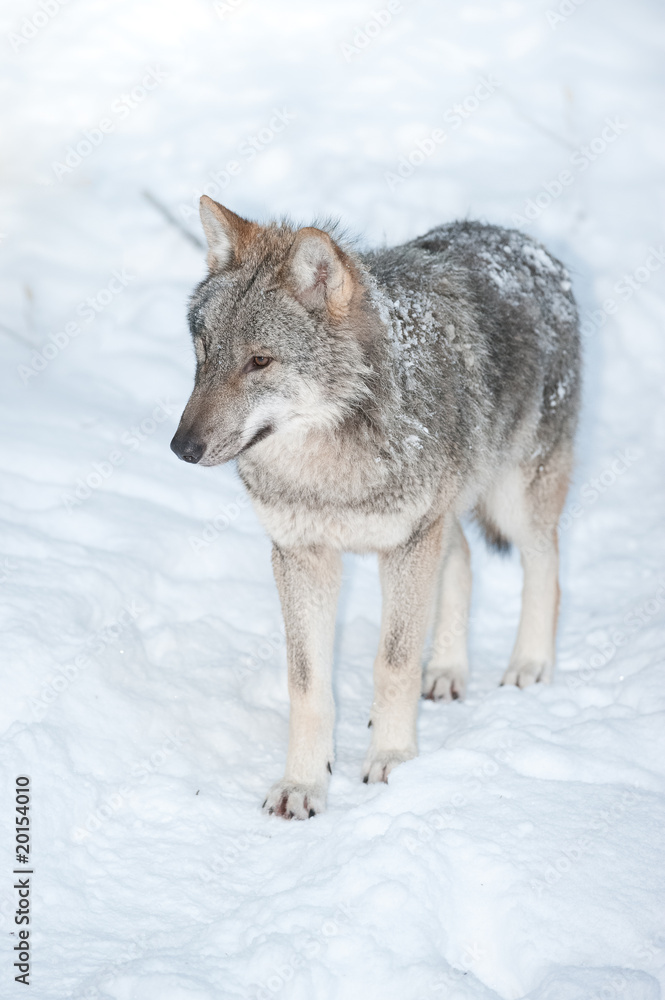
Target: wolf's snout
<point x="188" y="448"/>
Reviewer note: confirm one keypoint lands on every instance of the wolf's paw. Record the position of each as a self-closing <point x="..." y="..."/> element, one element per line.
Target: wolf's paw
<point x="293" y="801"/>
<point x="444" y="683"/>
<point x="528" y="672"/>
<point x="378" y="765"/>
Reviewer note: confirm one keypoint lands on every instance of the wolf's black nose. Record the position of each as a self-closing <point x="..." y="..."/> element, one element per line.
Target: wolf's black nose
<point x="188" y="449"/>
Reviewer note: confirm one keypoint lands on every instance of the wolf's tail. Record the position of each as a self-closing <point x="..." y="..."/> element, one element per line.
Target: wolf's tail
<point x="492" y="534"/>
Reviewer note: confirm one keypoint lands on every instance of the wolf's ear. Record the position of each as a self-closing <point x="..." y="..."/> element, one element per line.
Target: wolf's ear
<point x="225" y="232"/>
<point x="319" y="273"/>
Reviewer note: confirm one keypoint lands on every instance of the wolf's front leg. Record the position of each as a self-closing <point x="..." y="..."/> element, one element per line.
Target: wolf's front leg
<point x="308" y="581"/>
<point x="408" y="576"/>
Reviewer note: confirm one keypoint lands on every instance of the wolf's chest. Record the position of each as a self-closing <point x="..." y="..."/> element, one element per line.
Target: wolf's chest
<point x="347" y="529"/>
<point x="345" y="498"/>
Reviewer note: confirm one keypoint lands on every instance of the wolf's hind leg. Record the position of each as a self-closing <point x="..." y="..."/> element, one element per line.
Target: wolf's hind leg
<point x="408" y="577"/>
<point x="446" y="673"/>
<point x="526" y="507"/>
<point x="533" y="654"/>
<point x="308" y="581"/>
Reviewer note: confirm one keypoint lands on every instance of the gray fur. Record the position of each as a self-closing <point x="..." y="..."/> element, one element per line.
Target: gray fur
<point x="470" y="346"/>
<point x="406" y="384"/>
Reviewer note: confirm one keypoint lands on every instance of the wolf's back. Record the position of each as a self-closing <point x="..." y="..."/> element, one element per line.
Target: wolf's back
<point x="522" y="294"/>
<point x="502" y="305"/>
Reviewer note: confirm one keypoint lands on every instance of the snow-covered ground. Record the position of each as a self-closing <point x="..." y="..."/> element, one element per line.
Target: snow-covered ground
<point x="143" y="679"/>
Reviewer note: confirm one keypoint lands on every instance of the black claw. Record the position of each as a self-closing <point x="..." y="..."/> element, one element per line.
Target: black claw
<point x="264" y="804"/>
<point x="366" y="779"/>
<point x="454" y="695"/>
<point x="329" y="767"/>
<point x="290" y="815"/>
<point x="271" y="811"/>
<point x="369" y="724"/>
<point x="311" y="813"/>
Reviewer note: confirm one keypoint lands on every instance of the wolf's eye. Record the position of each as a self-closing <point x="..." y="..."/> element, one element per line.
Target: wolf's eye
<point x="258" y="361"/>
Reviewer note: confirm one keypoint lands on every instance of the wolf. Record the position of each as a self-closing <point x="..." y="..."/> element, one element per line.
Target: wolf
<point x="371" y="399"/>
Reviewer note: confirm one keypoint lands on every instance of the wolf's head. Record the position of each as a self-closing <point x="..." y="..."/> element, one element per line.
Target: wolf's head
<point x="281" y="327"/>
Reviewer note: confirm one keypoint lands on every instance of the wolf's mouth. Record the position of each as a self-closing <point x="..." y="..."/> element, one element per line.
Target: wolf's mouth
<point x="259" y="436"/>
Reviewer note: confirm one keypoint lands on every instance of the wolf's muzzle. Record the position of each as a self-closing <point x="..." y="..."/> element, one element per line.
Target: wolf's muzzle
<point x="187" y="448"/>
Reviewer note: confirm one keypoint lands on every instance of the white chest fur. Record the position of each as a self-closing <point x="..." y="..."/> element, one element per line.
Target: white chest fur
<point x="345" y="529"/>
<point x="314" y="490"/>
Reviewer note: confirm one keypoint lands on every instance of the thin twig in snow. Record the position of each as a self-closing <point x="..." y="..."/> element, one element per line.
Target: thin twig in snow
<point x="170" y="218"/>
